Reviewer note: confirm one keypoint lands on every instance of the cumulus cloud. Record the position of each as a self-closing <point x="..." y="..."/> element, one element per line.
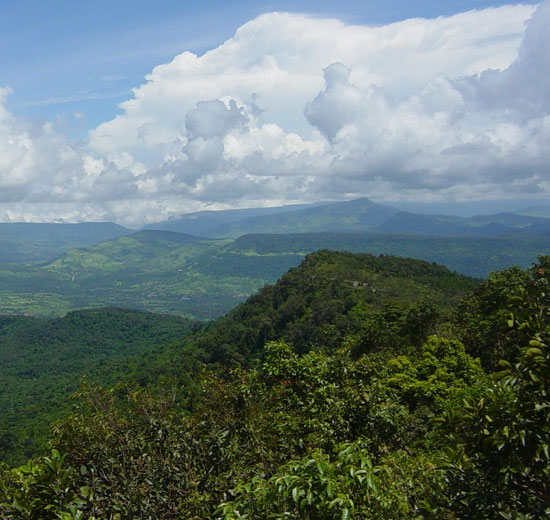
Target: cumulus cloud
<point x="524" y="87"/>
<point x="296" y="108"/>
<point x="399" y="111"/>
<point x="280" y="56"/>
<point x="33" y="158"/>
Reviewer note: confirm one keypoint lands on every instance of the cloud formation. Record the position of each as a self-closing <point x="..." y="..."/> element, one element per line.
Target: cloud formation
<point x="295" y="108"/>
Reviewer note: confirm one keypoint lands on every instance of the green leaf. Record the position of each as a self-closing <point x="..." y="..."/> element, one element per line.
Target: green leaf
<point x="329" y="489"/>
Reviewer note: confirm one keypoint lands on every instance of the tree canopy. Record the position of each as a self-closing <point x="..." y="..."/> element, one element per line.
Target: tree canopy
<point x="442" y="415"/>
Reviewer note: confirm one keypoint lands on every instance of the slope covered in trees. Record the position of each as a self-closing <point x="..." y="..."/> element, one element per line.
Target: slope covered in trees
<point x="42" y="362"/>
<point x="446" y="417"/>
<point x="332" y="296"/>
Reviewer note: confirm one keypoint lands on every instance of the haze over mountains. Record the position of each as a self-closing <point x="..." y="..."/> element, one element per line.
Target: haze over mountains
<point x="536" y="211"/>
<point x="23" y="242"/>
<point x="350" y="216"/>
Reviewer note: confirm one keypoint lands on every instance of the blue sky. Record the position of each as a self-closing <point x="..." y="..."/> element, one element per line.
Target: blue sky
<point x="66" y="57"/>
<point x="140" y="111"/>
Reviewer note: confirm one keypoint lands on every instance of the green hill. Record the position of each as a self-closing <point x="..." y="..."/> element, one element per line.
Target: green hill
<point x="328" y="298"/>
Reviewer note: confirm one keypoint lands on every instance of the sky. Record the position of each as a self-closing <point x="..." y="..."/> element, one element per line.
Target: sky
<point x="136" y="112"/>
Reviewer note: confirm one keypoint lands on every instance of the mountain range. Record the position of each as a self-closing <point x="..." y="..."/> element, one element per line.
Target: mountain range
<point x="350" y="216"/>
<point x="42" y="242"/>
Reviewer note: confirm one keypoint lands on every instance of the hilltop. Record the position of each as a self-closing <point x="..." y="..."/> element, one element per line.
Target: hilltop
<point x="330" y="296"/>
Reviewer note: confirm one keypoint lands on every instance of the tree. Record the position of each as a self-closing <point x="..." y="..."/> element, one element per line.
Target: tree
<point x="499" y="464"/>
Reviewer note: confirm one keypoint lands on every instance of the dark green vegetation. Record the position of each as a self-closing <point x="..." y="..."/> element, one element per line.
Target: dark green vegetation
<point x="332" y="297"/>
<point x="162" y="271"/>
<point x="24" y="242"/>
<point x="383" y="397"/>
<point x="42" y="362"/>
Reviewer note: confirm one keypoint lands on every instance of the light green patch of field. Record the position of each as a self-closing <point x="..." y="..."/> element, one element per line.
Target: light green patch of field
<point x="35" y="304"/>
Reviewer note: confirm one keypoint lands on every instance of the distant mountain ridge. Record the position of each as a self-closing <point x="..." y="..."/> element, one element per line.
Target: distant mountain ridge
<point x="43" y="242"/>
<point x="29" y="241"/>
<point x="535" y="211"/>
<point x="205" y="223"/>
<point x="355" y="215"/>
<point x="358" y="215"/>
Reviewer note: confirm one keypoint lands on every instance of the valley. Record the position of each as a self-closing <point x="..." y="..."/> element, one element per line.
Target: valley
<point x="203" y="277"/>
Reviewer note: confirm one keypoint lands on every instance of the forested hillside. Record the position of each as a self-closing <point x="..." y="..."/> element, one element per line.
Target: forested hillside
<point x="42" y="362"/>
<point x="332" y="297"/>
<point x="356" y="387"/>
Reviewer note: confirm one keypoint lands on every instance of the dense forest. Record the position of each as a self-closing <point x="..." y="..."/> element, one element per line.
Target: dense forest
<point x="42" y="362"/>
<point x="356" y="387"/>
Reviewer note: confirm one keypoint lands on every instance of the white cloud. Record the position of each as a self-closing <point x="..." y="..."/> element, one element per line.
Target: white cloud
<point x="280" y="56"/>
<point x="296" y="108"/>
<point x="524" y="87"/>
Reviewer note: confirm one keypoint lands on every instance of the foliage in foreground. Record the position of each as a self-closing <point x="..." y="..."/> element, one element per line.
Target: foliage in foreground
<point x="339" y="433"/>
